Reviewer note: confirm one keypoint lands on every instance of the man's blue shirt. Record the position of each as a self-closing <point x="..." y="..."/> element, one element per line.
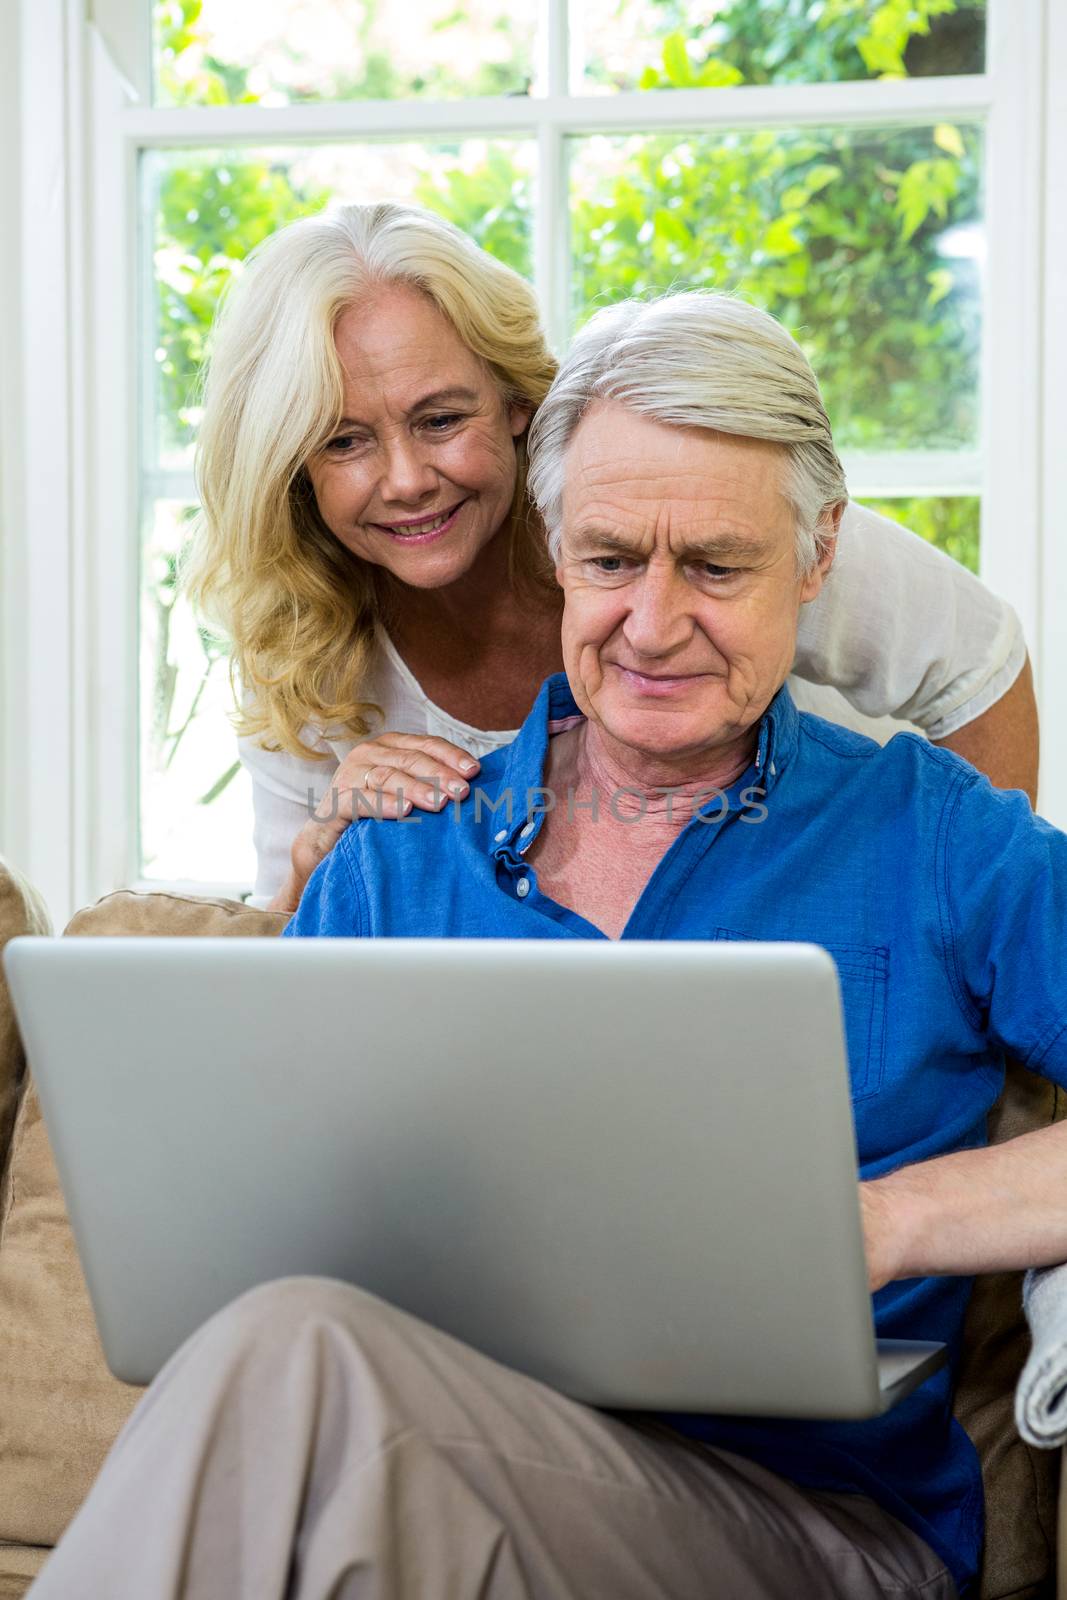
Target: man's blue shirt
<point x="943" y="902"/>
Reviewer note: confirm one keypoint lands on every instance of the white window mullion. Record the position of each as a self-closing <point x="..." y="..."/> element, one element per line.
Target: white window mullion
<point x="556" y="24"/>
<point x="41" y="829"/>
<point x="146" y="314"/>
<point x="937" y="473"/>
<point x="116" y="543"/>
<point x="1052" y="638"/>
<point x="85" y="698"/>
<point x="13" y="721"/>
<point x="1011" y="311"/>
<point x="907" y="100"/>
<point x="551" y="234"/>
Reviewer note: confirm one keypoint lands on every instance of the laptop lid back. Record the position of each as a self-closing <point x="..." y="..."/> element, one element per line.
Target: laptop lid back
<point x="626" y="1168"/>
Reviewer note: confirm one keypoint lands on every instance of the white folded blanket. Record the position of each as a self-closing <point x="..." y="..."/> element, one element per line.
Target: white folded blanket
<point x="1041" y="1397"/>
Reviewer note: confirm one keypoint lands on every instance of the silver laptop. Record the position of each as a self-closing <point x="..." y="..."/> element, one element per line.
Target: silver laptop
<point x="626" y="1168"/>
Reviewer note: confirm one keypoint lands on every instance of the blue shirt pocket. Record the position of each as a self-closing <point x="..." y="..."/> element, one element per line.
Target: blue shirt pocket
<point x="863" y="973"/>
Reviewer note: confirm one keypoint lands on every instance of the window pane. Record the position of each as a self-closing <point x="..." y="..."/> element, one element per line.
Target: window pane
<point x="867" y="244"/>
<point x="951" y="522"/>
<point x="212" y="207"/>
<point x="278" y="52"/>
<point x="196" y="804"/>
<point x="670" y="44"/>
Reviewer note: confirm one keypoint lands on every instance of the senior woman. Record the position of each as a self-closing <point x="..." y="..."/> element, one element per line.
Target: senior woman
<point x="368" y="545"/>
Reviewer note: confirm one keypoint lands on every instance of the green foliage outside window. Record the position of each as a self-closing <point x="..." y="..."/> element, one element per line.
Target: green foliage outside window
<point x="794" y="41"/>
<point x="210" y="215"/>
<point x="836" y="232"/>
<point x="373" y="50"/>
<point x="951" y="523"/>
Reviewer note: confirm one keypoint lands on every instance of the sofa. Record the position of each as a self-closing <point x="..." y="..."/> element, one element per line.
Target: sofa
<point x="60" y="1408"/>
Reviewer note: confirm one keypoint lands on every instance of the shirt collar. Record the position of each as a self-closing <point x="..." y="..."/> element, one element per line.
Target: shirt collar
<point x="525" y="764"/>
<point x="527" y="753"/>
<point x="779" y="729"/>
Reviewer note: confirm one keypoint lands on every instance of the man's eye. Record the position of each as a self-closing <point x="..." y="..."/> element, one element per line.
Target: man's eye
<point x="709" y="569"/>
<point x="610" y="565"/>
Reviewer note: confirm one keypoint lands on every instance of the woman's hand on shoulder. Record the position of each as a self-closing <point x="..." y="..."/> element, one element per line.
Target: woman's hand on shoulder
<point x="386" y="776"/>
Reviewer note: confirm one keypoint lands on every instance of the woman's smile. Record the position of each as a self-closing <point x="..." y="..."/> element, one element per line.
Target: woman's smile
<point x="421" y="530"/>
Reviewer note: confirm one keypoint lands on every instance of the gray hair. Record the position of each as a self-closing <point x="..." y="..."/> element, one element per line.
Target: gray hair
<point x="697" y="360"/>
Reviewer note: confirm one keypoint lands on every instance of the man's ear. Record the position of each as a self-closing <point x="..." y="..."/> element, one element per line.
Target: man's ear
<point x="829" y="551"/>
<point x="817" y="576"/>
<point x="557" y="558"/>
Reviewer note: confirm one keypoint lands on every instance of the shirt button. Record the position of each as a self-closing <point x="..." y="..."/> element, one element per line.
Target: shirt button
<point x="498" y="838"/>
<point x="522" y="888"/>
<point x="526" y="832"/>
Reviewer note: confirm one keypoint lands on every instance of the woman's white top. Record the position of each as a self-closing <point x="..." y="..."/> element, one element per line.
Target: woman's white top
<point x="899" y="634"/>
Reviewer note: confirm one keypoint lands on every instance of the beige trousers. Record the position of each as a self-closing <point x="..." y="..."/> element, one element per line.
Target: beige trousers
<point x="313" y="1443"/>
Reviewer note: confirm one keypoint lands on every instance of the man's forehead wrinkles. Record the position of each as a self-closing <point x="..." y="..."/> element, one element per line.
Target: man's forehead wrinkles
<point x="692" y="499"/>
<point x="680" y="496"/>
<point x="625" y="478"/>
<point x="698" y="521"/>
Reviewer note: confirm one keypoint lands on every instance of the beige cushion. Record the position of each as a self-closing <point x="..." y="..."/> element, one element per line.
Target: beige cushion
<point x="22" y="911"/>
<point x="1020" y="1482"/>
<point x="60" y="1408"/>
<point x="175" y="916"/>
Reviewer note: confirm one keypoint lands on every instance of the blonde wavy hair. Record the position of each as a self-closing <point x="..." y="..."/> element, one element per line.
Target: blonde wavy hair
<point x="263" y="568"/>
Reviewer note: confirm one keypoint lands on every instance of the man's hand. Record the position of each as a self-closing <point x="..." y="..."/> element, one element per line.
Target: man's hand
<point x="1001" y="1208"/>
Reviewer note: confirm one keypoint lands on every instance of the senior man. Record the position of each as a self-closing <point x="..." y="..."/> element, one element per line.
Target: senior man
<point x="313" y="1442"/>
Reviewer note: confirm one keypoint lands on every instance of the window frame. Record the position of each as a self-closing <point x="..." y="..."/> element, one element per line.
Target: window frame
<point x="69" y="788"/>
